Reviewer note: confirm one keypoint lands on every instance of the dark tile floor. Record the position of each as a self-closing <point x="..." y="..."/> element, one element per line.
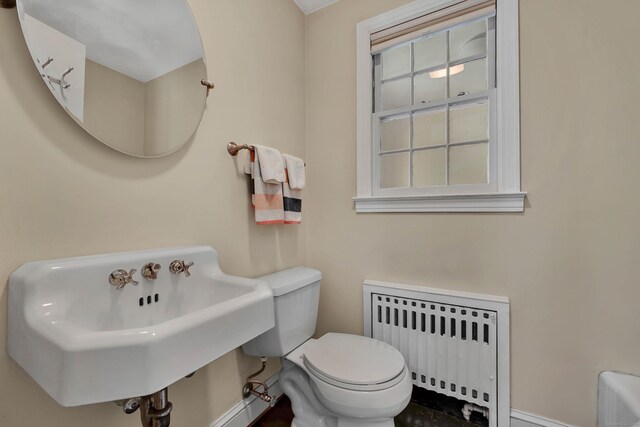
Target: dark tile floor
<point x="425" y="409"/>
<point x="278" y="416"/>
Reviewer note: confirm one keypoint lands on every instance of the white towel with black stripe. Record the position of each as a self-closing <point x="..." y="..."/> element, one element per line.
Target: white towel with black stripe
<point x="292" y="202"/>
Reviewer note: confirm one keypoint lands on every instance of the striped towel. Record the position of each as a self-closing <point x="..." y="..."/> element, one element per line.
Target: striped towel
<point x="292" y="203"/>
<point x="266" y="198"/>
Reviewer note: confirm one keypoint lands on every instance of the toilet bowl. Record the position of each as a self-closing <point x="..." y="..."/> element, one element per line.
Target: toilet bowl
<point x="357" y="381"/>
<point x="337" y="380"/>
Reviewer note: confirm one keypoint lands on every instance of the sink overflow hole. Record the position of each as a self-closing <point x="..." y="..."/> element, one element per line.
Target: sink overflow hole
<point x="150" y="299"/>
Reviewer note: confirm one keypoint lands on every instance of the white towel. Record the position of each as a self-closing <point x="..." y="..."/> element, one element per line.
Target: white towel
<point x="295" y="171"/>
<point x="271" y="164"/>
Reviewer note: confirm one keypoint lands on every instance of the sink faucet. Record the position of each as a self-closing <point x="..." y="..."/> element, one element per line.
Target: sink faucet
<point x="179" y="266"/>
<point x="120" y="278"/>
<point x="150" y="270"/>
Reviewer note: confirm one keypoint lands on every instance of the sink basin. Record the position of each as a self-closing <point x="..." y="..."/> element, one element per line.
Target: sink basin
<point x="85" y="341"/>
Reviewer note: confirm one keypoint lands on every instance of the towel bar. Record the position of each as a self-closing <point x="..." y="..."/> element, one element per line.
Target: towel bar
<point x="234" y="148"/>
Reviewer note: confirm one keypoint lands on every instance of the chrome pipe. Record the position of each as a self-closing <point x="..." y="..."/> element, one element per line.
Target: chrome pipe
<point x="160" y="413"/>
<point x="155" y="409"/>
<point x="251" y="387"/>
<point x="255" y="374"/>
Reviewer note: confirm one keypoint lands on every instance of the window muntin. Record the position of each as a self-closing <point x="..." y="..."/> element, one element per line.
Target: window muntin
<point x="433" y="112"/>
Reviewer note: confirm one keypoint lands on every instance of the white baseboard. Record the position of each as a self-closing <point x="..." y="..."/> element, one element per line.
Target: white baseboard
<point x="525" y="419"/>
<point x="248" y="410"/>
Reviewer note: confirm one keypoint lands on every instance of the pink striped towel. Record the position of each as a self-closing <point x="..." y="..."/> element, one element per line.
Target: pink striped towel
<point x="267" y="199"/>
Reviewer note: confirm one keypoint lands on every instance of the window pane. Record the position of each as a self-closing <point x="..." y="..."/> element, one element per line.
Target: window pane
<point x="430" y="51"/>
<point x="396" y="94"/>
<point x="428" y="88"/>
<point x="429" y="167"/>
<point x="468" y="40"/>
<point x="394" y="170"/>
<point x="468" y="164"/>
<point x="471" y="78"/>
<point x="469" y="123"/>
<point x="394" y="133"/>
<point x="396" y="61"/>
<point x="429" y="128"/>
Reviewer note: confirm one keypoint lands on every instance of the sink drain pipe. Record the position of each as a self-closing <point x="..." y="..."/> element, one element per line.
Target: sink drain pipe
<point x="160" y="409"/>
<point x="155" y="409"/>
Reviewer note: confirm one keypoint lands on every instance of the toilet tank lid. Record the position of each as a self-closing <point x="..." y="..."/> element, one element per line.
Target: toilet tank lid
<point x="285" y="281"/>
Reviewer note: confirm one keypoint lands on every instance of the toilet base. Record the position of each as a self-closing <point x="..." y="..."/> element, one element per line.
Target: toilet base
<point x="360" y="423"/>
<point x="308" y="410"/>
<point x="351" y="423"/>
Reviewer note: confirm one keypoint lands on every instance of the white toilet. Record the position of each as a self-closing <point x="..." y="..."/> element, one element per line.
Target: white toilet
<point x="338" y="380"/>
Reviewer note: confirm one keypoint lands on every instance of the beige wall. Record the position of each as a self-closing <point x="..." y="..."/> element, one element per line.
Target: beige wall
<point x="143" y="119"/>
<point x="173" y="106"/>
<point x="114" y="108"/>
<point x="569" y="263"/>
<point x="62" y="193"/>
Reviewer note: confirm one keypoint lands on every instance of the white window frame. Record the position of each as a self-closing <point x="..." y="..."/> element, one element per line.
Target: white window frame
<point x="505" y="194"/>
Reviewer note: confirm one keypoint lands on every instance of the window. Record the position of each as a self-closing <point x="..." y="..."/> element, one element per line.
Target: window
<point x="438" y="116"/>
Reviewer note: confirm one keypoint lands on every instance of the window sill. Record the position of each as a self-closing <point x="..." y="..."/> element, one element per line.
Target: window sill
<point x="495" y="202"/>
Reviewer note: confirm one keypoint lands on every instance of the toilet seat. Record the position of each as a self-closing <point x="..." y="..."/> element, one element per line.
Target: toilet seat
<point x="354" y="362"/>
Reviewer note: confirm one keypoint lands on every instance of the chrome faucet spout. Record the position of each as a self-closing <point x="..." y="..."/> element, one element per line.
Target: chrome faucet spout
<point x="150" y="270"/>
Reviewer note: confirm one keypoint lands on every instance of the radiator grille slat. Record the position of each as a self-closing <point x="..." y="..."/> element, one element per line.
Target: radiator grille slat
<point x="449" y="349"/>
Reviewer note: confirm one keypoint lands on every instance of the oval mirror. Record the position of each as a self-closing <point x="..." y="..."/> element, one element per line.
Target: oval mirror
<point x="128" y="72"/>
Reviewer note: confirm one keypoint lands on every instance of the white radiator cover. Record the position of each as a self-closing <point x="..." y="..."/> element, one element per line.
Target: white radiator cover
<point x="454" y="343"/>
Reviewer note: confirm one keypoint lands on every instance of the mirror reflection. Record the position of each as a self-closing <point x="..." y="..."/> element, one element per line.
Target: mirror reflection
<point x="128" y="72"/>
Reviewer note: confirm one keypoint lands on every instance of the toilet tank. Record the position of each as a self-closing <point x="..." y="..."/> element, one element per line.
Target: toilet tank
<point x="618" y="400"/>
<point x="296" y="294"/>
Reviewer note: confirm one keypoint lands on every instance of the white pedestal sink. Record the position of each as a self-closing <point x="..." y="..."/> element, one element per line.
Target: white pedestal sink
<point x="85" y="341"/>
